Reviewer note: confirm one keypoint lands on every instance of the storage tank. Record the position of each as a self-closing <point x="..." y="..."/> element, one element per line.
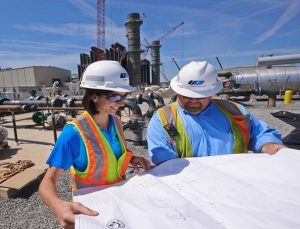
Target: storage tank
<point x="265" y="80"/>
<point x="278" y="60"/>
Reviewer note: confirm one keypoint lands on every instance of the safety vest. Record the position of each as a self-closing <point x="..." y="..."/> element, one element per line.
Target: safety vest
<point x="178" y="137"/>
<point x="102" y="168"/>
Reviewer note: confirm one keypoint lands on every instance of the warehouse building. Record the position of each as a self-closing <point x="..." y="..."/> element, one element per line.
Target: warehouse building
<point x="17" y="83"/>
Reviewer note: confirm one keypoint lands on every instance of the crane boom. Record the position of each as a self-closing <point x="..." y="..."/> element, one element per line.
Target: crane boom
<point x="162" y="37"/>
<point x="171" y="31"/>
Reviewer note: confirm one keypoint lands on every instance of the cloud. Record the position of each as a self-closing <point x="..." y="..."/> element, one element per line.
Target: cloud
<point x="15" y="59"/>
<point x="68" y="29"/>
<point x="113" y="33"/>
<point x="33" y="45"/>
<point x="85" y="8"/>
<point x="292" y="10"/>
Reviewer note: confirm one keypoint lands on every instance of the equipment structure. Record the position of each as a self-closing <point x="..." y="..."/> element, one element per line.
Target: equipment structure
<point x="272" y="76"/>
<point x="155" y="54"/>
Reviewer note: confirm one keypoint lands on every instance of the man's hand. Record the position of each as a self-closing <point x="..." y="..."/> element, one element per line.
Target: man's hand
<point x="66" y="211"/>
<point x="272" y="148"/>
<point x="139" y="162"/>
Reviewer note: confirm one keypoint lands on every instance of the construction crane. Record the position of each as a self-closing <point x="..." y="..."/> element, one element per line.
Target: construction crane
<point x="162" y="37"/>
<point x="101" y="24"/>
<point x="171" y="31"/>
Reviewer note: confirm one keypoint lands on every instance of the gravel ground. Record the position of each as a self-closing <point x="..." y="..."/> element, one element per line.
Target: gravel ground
<point x="27" y="210"/>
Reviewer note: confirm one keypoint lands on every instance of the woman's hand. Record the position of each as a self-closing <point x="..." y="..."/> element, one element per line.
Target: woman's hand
<point x="66" y="211"/>
<point x="272" y="148"/>
<point x="139" y="162"/>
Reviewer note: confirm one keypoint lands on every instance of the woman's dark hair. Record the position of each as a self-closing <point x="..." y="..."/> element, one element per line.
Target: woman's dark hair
<point x="88" y="103"/>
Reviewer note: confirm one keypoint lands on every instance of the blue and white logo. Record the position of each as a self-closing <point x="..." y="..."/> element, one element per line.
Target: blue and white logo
<point x="124" y="75"/>
<point x="115" y="224"/>
<point x="196" y="83"/>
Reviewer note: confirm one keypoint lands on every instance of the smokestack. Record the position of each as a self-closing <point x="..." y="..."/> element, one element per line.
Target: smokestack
<point x="134" y="48"/>
<point x="155" y="59"/>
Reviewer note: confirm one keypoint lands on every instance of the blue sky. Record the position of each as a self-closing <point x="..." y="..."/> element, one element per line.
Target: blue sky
<point x="55" y="32"/>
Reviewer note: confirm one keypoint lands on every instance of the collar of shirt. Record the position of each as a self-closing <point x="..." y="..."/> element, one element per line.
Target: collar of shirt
<point x="206" y="110"/>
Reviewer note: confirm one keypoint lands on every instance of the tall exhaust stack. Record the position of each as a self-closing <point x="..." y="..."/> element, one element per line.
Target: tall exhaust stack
<point x="134" y="48"/>
<point x="155" y="60"/>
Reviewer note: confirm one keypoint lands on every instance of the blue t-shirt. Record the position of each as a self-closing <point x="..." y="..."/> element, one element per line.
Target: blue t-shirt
<point x="70" y="149"/>
<point x="209" y="132"/>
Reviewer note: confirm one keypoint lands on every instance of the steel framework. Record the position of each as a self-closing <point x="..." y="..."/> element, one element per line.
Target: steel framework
<point x="101" y="24"/>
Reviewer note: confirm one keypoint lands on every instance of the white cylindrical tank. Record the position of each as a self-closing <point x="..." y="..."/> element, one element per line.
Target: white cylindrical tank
<point x="267" y="79"/>
<point x="278" y="60"/>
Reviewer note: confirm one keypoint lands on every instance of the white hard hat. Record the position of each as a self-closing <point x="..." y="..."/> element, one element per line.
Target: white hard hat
<point x="197" y="80"/>
<point x="106" y="75"/>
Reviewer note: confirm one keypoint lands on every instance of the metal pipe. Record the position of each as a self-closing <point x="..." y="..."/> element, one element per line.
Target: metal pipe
<point x="160" y="100"/>
<point x="136" y="122"/>
<point x="265" y="80"/>
<point x="54" y="126"/>
<point x="152" y="106"/>
<point x="277" y="60"/>
<point x="11" y="108"/>
<point x="15" y="127"/>
<point x="56" y="102"/>
<point x="18" y="108"/>
<point x="24" y="102"/>
<point x="140" y="99"/>
<point x="132" y="105"/>
<point x="60" y="108"/>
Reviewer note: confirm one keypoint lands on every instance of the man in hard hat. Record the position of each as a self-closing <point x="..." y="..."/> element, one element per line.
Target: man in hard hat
<point x="197" y="125"/>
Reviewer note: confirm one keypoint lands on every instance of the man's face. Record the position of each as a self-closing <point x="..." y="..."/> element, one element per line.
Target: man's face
<point x="193" y="105"/>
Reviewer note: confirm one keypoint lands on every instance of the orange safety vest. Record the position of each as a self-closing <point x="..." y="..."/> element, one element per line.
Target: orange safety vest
<point x="239" y="123"/>
<point x="103" y="168"/>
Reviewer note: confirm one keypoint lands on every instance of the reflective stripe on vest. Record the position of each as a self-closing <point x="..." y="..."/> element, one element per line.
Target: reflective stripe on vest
<point x="102" y="168"/>
<point x="240" y="125"/>
<point x="181" y="142"/>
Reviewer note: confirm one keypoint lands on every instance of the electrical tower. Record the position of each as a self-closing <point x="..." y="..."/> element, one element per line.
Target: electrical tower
<point x="101" y="24"/>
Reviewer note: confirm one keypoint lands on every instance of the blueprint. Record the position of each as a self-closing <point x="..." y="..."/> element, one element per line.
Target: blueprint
<point x="229" y="191"/>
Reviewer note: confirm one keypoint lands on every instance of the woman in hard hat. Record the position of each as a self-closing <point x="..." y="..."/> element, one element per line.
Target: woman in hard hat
<point x="93" y="146"/>
<point x="197" y="125"/>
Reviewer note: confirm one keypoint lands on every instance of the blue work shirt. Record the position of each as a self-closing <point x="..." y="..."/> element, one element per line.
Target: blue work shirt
<point x="70" y="149"/>
<point x="209" y="132"/>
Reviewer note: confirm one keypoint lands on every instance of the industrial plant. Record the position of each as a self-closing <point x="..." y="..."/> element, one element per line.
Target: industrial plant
<point x="36" y="102"/>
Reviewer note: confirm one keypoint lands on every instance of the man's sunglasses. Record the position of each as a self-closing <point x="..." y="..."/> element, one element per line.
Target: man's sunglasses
<point x="115" y="98"/>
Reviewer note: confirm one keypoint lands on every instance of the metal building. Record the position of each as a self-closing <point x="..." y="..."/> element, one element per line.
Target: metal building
<point x="21" y="80"/>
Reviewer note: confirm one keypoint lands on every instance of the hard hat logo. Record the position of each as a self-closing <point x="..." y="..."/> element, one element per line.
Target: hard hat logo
<point x="196" y="83"/>
<point x="124" y="75"/>
<point x="106" y="75"/>
<point x="198" y="79"/>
